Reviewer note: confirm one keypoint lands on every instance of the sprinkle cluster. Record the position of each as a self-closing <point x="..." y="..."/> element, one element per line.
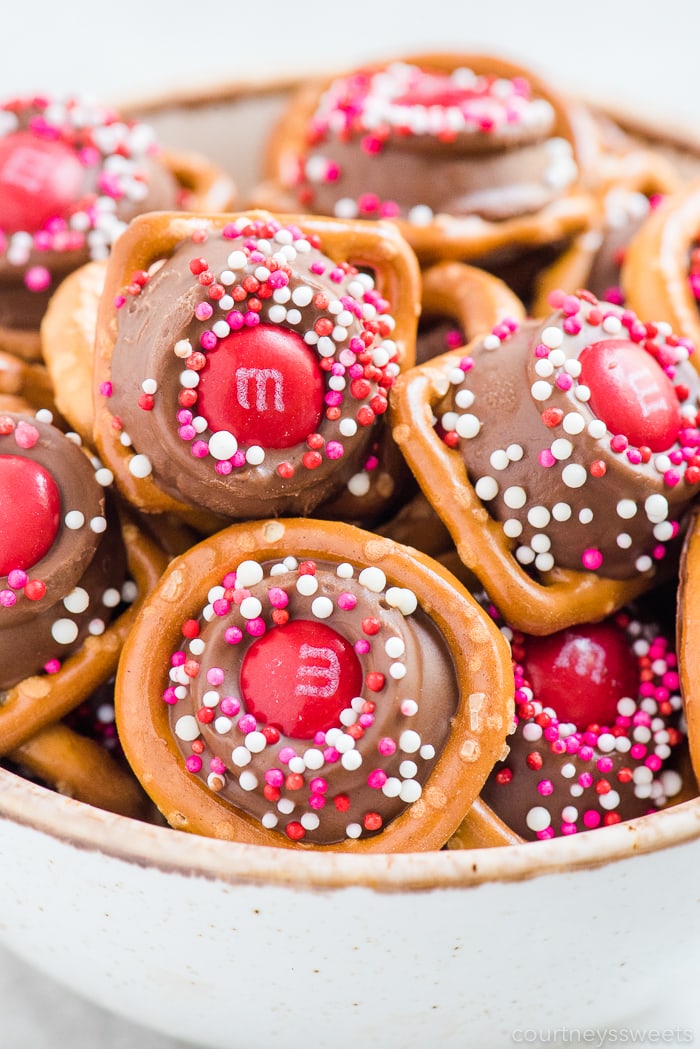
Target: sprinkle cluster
<point x="574" y="449"/>
<point x="276" y="274"/>
<point x="112" y="150"/>
<point x="295" y="784"/>
<point x="573" y="780"/>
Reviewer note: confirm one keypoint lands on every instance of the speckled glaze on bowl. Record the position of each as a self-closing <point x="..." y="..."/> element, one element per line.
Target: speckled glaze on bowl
<point x="248" y="947"/>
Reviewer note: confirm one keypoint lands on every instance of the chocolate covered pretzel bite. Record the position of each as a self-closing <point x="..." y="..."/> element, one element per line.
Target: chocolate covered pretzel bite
<point x="370" y="143"/>
<point x="561" y="454"/>
<point x="72" y="175"/>
<point x="296" y="682"/>
<point x="71" y="576"/>
<point x="243" y="363"/>
<point x="598" y="735"/>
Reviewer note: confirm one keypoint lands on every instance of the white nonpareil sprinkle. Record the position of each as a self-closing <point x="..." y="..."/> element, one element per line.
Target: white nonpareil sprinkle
<point x="255" y="742"/>
<point x="77" y="601"/>
<point x="486" y="488"/>
<point x="395" y="647"/>
<point x="656" y="507"/>
<point x="468" y="425"/>
<point x="402" y="598"/>
<point x="351" y="760"/>
<point x="541" y="390"/>
<point x="248" y="573"/>
<point x="64" y="631"/>
<point x="561" y="448"/>
<point x="241" y="756"/>
<point x="250" y="608"/>
<point x="322" y="607"/>
<point x="255" y="455"/>
<point x="187" y="728"/>
<point x="409" y="741"/>
<point x="140" y="466"/>
<point x="411" y="791"/>
<point x="515" y="497"/>
<point x="373" y="579"/>
<point x="74" y="519"/>
<point x="574" y="475"/>
<point x="538" y="516"/>
<point x="538" y="818"/>
<point x="307" y="585"/>
<point x="222" y="445"/>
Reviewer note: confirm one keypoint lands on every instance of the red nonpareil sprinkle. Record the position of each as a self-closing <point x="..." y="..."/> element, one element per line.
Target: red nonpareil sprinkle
<point x="372" y="821"/>
<point x="552" y="417"/>
<point x="312" y="460"/>
<point x="295" y="831"/>
<point x="341" y="802"/>
<point x="371" y="626"/>
<point x="375" y="681"/>
<point x="198" y="266"/>
<point x="35" y="589"/>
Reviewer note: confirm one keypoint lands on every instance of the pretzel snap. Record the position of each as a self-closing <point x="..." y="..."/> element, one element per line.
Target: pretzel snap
<point x="68" y="574"/>
<point x="243" y="362"/>
<point x="72" y="175"/>
<point x="296" y="682"/>
<point x="561" y="456"/>
<point x="368" y="144"/>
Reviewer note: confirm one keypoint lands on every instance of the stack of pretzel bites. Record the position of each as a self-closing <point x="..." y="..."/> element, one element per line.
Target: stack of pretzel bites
<point x="413" y="431"/>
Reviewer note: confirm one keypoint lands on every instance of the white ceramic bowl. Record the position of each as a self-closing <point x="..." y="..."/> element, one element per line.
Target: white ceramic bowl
<point x="242" y="947"/>
<point x="227" y="945"/>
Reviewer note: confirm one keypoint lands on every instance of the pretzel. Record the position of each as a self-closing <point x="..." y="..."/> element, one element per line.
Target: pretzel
<point x="71" y="176"/>
<point x="281" y="645"/>
<point x="81" y="768"/>
<point x="688" y="636"/>
<point x="657" y="265"/>
<point x="635" y="184"/>
<point x="26" y="379"/>
<point x="487" y="203"/>
<point x="170" y="418"/>
<point x="68" y="570"/>
<point x="562" y="519"/>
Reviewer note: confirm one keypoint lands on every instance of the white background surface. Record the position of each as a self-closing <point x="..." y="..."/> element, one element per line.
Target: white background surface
<point x="637" y="54"/>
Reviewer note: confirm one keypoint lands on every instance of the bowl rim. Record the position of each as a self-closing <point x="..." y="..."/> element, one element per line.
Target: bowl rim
<point x="121" y="838"/>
